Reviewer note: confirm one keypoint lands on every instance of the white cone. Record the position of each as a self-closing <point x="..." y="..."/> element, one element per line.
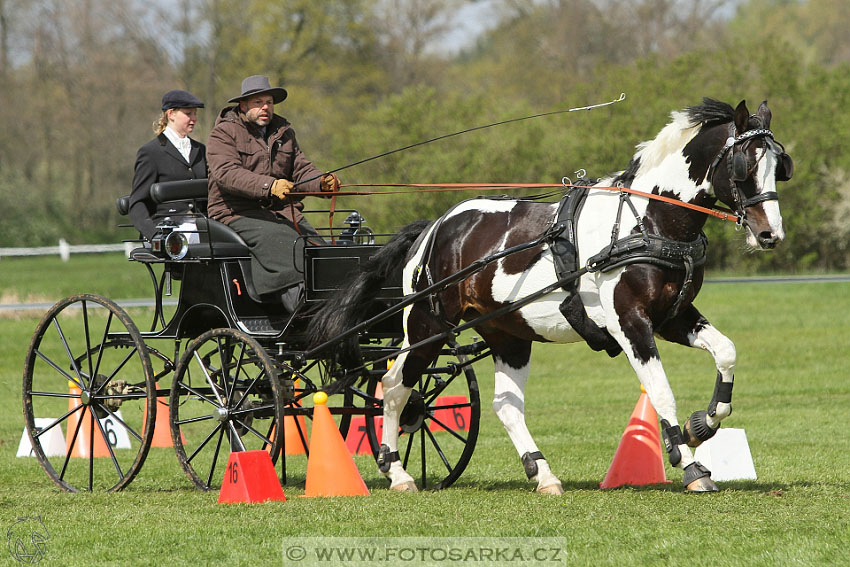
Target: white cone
<point x="52" y="442"/>
<point x="727" y="455"/>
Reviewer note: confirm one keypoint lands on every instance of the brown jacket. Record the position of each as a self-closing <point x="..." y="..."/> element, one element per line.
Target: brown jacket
<point x="243" y="167"/>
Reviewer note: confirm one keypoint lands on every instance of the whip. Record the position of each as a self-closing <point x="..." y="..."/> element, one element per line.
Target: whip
<point x="621" y="98"/>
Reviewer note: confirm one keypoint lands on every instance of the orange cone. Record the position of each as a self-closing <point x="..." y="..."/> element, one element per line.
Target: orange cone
<point x="330" y="469"/>
<point x="295" y="435"/>
<point x="161" y="425"/>
<point x="82" y="445"/>
<point x="638" y="460"/>
<point x="250" y="477"/>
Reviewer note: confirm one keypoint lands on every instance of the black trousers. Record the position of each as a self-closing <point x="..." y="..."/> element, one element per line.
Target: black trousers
<point x="277" y="251"/>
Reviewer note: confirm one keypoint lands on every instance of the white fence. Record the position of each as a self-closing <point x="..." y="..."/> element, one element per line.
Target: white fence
<point x="64" y="250"/>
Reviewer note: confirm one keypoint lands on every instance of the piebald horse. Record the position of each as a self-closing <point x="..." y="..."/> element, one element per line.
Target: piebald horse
<point x="620" y="303"/>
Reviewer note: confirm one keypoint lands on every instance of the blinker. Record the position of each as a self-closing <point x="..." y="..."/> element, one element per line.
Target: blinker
<point x="785" y="168"/>
<point x="739" y="166"/>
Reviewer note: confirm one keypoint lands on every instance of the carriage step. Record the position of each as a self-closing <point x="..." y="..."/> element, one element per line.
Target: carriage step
<point x="258" y="325"/>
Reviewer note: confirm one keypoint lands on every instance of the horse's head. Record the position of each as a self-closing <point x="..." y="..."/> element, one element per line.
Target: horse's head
<point x="745" y="172"/>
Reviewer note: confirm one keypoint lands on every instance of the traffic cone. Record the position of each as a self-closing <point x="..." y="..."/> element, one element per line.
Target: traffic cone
<point x="638" y="460"/>
<point x="82" y="444"/>
<point x="250" y="477"/>
<point x="330" y="469"/>
<point x="161" y="425"/>
<point x="295" y="435"/>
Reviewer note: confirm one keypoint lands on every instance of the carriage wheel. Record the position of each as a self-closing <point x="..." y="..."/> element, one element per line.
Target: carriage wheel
<point x="225" y="397"/>
<point x="439" y="424"/>
<point x="89" y="395"/>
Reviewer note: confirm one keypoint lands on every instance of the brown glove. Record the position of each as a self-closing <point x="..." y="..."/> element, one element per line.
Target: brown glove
<point x="281" y="187"/>
<point x="330" y="182"/>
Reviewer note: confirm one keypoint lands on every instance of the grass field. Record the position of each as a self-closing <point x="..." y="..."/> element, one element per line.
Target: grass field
<point x="792" y="397"/>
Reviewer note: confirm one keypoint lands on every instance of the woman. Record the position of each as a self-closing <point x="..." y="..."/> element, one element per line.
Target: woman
<point x="171" y="156"/>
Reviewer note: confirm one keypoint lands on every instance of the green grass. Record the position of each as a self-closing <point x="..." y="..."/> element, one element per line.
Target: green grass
<point x="792" y="396"/>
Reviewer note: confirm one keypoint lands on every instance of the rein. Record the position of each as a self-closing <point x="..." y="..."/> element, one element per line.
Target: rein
<point x="720" y="213"/>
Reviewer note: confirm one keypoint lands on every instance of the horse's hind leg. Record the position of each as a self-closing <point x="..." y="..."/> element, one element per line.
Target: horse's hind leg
<point x="511" y="358"/>
<point x="692" y="329"/>
<point x="397" y="383"/>
<point x="396" y="395"/>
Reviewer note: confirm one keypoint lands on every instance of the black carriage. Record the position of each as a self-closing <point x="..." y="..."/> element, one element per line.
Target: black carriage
<point x="232" y="369"/>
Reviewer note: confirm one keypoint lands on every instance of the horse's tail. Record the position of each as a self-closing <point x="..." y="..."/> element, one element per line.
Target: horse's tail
<point x="348" y="306"/>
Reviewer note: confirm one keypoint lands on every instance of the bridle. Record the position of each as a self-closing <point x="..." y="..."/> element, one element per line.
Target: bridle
<point x="738" y="167"/>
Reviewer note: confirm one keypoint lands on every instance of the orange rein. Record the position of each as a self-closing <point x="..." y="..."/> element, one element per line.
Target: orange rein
<point x="723" y="214"/>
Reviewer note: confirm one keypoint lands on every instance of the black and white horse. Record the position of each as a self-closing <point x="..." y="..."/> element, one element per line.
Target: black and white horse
<point x="707" y="153"/>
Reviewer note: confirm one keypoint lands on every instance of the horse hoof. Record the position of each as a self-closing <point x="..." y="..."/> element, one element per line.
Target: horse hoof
<point x="698" y="479"/>
<point x="554" y="489"/>
<point x="704" y="484"/>
<point x="408" y="486"/>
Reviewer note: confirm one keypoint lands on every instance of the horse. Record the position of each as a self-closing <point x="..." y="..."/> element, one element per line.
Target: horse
<point x="641" y="258"/>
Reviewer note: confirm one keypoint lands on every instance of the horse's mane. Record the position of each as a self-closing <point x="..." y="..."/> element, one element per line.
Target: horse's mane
<point x="710" y="113"/>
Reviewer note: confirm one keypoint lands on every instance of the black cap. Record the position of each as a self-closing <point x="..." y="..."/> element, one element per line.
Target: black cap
<point x="180" y="99"/>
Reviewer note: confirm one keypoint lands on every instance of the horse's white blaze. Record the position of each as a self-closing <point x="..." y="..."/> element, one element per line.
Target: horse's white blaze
<point x="765" y="176"/>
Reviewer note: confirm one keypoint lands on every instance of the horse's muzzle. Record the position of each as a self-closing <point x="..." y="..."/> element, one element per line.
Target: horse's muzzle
<point x="767" y="239"/>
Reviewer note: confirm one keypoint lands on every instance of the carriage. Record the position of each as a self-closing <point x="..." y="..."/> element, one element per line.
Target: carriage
<point x="615" y="262"/>
<point x="229" y="367"/>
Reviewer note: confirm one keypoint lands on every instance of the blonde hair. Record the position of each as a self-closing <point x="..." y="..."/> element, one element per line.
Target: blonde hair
<point x="160" y="123"/>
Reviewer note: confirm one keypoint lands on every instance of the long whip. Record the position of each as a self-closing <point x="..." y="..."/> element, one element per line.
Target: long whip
<point x="621" y="98"/>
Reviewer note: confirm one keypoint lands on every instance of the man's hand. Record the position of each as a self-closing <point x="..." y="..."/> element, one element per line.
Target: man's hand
<point x="281" y="187"/>
<point x="330" y="182"/>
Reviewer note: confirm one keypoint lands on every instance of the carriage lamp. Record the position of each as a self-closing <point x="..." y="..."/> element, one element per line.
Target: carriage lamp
<point x="176" y="245"/>
<point x="357" y="231"/>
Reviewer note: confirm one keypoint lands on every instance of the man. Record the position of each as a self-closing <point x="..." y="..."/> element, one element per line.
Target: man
<point x="254" y="162"/>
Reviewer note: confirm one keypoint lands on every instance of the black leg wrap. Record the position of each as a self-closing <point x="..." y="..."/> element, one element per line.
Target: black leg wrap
<point x="529" y="463"/>
<point x="697" y="429"/>
<point x="722" y="393"/>
<point x="672" y="436"/>
<point x="695" y="471"/>
<point x="386" y="458"/>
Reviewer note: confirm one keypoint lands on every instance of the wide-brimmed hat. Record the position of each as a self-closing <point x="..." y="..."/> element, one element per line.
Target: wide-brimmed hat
<point x="180" y="99"/>
<point x="259" y="84"/>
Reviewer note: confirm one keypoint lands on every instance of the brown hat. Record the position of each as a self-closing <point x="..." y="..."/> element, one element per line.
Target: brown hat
<point x="259" y="84"/>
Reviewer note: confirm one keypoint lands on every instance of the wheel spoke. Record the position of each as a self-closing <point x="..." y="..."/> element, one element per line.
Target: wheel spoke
<point x="77" y="380"/>
<point x="203" y="443"/>
<point x="448" y="428"/>
<point x="71" y="358"/>
<point x="215" y="456"/>
<point x="102" y="432"/>
<point x="438" y="449"/>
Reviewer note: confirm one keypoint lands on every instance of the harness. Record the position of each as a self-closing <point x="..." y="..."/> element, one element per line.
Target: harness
<point x="640" y="247"/>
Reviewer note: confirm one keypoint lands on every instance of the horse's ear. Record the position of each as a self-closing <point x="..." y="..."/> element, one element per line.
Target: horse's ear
<point x="765" y="114"/>
<point x="742" y="116"/>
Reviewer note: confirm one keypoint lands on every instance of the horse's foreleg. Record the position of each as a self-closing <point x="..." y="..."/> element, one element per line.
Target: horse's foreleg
<point x="694" y="330"/>
<point x="509" y="404"/>
<point x="396" y="395"/>
<point x="634" y="332"/>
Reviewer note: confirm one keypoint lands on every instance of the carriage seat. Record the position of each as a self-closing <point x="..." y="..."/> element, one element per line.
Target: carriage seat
<point x="215" y="239"/>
